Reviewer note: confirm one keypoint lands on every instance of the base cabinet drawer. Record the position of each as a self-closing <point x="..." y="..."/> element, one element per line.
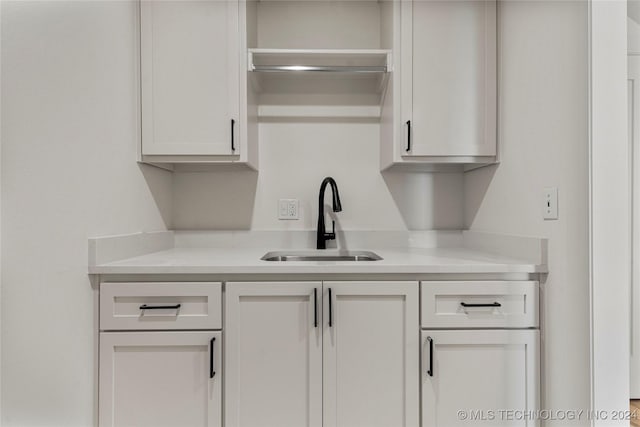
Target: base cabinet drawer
<point x="487" y="377"/>
<point x="154" y="306"/>
<point x="500" y="304"/>
<point x="158" y="379"/>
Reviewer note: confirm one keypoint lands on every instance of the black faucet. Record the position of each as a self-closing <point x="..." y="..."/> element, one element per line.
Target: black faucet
<point x="323" y="236"/>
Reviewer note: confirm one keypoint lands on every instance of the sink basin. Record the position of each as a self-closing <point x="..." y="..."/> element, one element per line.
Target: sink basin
<point x="321" y="256"/>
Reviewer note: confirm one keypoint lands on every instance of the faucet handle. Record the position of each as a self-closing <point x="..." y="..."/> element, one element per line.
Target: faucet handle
<point x="332" y="235"/>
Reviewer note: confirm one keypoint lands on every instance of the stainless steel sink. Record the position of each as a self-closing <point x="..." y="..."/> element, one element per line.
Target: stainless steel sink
<point x="321" y="256"/>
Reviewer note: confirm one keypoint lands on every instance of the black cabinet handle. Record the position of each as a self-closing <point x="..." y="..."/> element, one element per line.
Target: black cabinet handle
<point x="330" y="310"/>
<point x="493" y="304"/>
<point x="212" y="372"/>
<point x="315" y="307"/>
<point x="159" y="307"/>
<point x="430" y="371"/>
<point x="233" y="146"/>
<point x="408" y="135"/>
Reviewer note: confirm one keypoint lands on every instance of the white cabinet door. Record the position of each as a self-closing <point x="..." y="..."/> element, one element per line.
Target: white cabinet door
<point x="273" y="354"/>
<point x="370" y="349"/>
<point x="160" y="379"/>
<point x="448" y="54"/>
<point x="190" y="71"/>
<point x="479" y="377"/>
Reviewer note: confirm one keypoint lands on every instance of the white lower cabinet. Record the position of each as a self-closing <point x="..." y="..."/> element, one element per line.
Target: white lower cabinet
<point x="159" y="379"/>
<point x="273" y="354"/>
<point x="321" y="354"/>
<point x="152" y="371"/>
<point x="479" y="377"/>
<point x="371" y="354"/>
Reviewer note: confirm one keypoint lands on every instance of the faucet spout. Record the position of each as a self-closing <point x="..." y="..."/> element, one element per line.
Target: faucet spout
<point x="322" y="235"/>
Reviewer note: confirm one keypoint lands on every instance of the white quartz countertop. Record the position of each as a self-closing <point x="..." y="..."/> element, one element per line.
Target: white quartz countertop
<point x="231" y="261"/>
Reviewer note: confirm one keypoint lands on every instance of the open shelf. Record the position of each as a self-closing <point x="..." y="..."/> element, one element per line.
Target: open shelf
<point x="313" y="82"/>
<point x="348" y="61"/>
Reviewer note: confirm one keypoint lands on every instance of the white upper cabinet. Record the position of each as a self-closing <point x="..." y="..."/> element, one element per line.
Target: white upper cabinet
<point x="427" y="69"/>
<point x="441" y="107"/>
<point x="450" y="94"/>
<point x="191" y="84"/>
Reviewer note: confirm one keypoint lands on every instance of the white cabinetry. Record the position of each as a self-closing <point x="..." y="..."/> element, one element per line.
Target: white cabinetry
<point x="160" y="379"/>
<point x="461" y="305"/>
<point x="487" y="374"/>
<point x="438" y="58"/>
<point x="150" y="375"/>
<point x="370" y="348"/>
<point x="318" y="354"/>
<point x="273" y="354"/>
<point x="441" y="105"/>
<point x="474" y="375"/>
<point x="193" y="93"/>
<point x="358" y="366"/>
<point x="122" y="306"/>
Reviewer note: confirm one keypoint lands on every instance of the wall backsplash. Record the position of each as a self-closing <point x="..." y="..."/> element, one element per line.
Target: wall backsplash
<point x="294" y="158"/>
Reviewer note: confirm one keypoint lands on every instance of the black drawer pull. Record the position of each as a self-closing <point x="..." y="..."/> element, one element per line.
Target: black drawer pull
<point x="430" y="371"/>
<point x="233" y="142"/>
<point x="492" y="304"/>
<point x="212" y="372"/>
<point x="408" y="136"/>
<point x="330" y="310"/>
<point x="160" y="307"/>
<point x="315" y="307"/>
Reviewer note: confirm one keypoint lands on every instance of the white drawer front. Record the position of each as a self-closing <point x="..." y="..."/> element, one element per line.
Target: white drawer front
<point x="135" y="306"/>
<point x="479" y="304"/>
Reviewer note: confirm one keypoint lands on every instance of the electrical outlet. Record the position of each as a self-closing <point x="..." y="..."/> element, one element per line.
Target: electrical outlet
<point x="288" y="209"/>
<point x="550" y="203"/>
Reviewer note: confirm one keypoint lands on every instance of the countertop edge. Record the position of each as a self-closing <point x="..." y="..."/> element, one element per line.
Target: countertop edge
<point x="318" y="270"/>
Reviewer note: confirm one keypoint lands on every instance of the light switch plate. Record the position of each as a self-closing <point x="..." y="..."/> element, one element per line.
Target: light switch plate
<point x="550" y="203"/>
<point x="288" y="209"/>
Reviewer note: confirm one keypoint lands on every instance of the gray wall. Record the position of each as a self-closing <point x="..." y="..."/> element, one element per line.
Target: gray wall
<point x="68" y="172"/>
